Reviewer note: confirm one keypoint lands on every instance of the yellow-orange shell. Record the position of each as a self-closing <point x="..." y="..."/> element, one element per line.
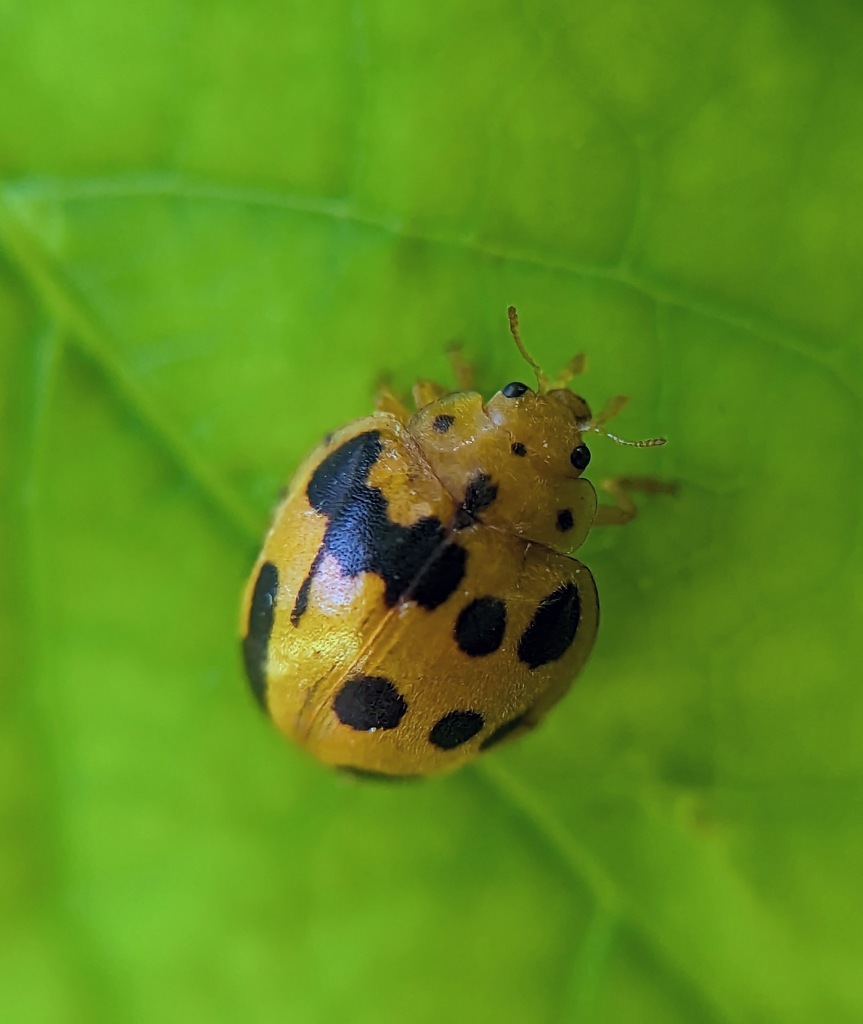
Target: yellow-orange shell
<point x="402" y="617"/>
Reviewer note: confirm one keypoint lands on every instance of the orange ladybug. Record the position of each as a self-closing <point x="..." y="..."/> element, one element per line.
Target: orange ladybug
<point x="416" y="601"/>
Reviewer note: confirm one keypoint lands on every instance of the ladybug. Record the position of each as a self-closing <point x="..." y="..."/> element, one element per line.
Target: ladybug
<point x="416" y="601"/>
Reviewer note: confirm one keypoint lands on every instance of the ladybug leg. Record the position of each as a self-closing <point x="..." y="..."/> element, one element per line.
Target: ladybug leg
<point x="574" y="368"/>
<point x="611" y="409"/>
<point x="386" y="400"/>
<point x="426" y="391"/>
<point x="462" y="368"/>
<point x="624" y="508"/>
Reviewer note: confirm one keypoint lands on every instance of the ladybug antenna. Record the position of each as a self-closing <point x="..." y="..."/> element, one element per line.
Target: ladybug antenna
<point x="647" y="442"/>
<point x="611" y="408"/>
<point x="541" y="378"/>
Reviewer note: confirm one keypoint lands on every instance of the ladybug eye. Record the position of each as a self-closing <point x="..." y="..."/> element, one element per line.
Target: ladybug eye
<point x="580" y="457"/>
<point x="515" y="389"/>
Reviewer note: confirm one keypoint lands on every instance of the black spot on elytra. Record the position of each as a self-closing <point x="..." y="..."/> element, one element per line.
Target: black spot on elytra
<point x="414" y="561"/>
<point x="502" y="731"/>
<point x="439" y="577"/>
<point x="442" y="423"/>
<point x="480" y="626"/>
<point x="456" y="728"/>
<point x="262" y="611"/>
<point x="369" y="702"/>
<point x="517" y="448"/>
<point x="552" y="629"/>
<point x="302" y="599"/>
<point x="565" y="522"/>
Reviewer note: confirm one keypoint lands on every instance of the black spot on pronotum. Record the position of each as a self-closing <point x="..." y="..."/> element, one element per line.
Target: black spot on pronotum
<point x="502" y="731"/>
<point x="413" y="561"/>
<point x="461" y="520"/>
<point x="262" y="611"/>
<point x="366" y="703"/>
<point x="480" y="626"/>
<point x="479" y="494"/>
<point x="517" y="448"/>
<point x="580" y="456"/>
<point x="565" y="522"/>
<point x="551" y="631"/>
<point x="442" y="423"/>
<point x="456" y="728"/>
<point x="515" y="389"/>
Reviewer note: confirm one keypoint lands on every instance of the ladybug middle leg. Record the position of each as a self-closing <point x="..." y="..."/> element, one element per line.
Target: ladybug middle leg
<point x="619" y="489"/>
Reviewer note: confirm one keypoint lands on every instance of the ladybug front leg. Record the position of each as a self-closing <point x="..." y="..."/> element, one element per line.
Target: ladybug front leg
<point x="386" y="400"/>
<point x="624" y="508"/>
<point x="427" y="391"/>
<point x="574" y="368"/>
<point x="462" y="368"/>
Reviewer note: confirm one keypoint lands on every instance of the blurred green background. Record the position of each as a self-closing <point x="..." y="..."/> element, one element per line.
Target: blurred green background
<point x="220" y="223"/>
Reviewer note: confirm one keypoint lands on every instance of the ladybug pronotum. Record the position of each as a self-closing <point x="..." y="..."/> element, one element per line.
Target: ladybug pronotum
<point x="416" y="601"/>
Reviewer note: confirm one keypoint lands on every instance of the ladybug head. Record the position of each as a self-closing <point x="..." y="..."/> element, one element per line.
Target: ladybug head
<point x="559" y="409"/>
<point x="516" y="462"/>
<point x="548" y="426"/>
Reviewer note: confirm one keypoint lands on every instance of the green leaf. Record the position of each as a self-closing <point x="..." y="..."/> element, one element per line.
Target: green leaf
<point x="220" y="225"/>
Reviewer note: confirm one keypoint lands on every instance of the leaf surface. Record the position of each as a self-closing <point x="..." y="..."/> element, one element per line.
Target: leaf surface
<point x="220" y="225"/>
